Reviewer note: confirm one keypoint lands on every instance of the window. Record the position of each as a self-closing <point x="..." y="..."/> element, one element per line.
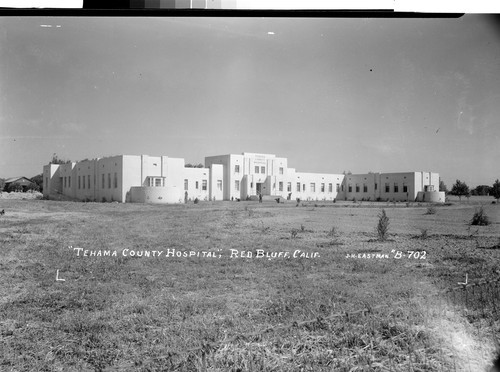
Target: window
<point x="237" y="185"/>
<point x="262" y="170"/>
<point x="204" y="185"/>
<point x="396" y="187"/>
<point x="157" y="182"/>
<point x="109" y="180"/>
<point x="289" y="187"/>
<point x="337" y="187"/>
<point x="69" y="181"/>
<point x="186" y="184"/>
<point x="219" y="185"/>
<point x="387" y="187"/>
<point x="298" y="186"/>
<point x="281" y="170"/>
<point x="405" y="187"/>
<point x="342" y="187"/>
<point x="88" y="181"/>
<point x="83" y="181"/>
<point x="375" y="186"/>
<point x="256" y="169"/>
<point x="349" y="188"/>
<point x="47" y="181"/>
<point x="322" y="187"/>
<point x="64" y="181"/>
<point x="196" y="185"/>
<point x="330" y="187"/>
<point x="116" y="180"/>
<point x="237" y="168"/>
<point x="357" y="188"/>
<point x="365" y="188"/>
<point x="303" y="187"/>
<point x="280" y="186"/>
<point x="103" y="180"/>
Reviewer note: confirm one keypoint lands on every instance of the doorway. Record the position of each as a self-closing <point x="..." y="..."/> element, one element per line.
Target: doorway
<point x="258" y="187"/>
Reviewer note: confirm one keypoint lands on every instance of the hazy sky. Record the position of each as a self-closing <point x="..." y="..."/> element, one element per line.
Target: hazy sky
<point x="382" y="95"/>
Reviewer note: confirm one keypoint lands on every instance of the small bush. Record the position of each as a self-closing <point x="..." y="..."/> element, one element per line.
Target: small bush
<point x="302" y="228"/>
<point x="332" y="232"/>
<point x="480" y="218"/>
<point x="383" y="225"/>
<point x="423" y="234"/>
<point x="431" y="210"/>
<point x="196" y="201"/>
<point x="294" y="233"/>
<point x="354" y="200"/>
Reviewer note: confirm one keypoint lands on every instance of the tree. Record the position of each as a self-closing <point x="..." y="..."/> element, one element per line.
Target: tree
<point x="189" y="165"/>
<point x="2" y="184"/>
<point x="481" y="190"/>
<point x="460" y="189"/>
<point x="442" y="187"/>
<point x="38" y="179"/>
<point x="495" y="190"/>
<point x="56" y="160"/>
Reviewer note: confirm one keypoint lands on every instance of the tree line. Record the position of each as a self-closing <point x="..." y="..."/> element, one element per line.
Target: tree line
<point x="460" y="189"/>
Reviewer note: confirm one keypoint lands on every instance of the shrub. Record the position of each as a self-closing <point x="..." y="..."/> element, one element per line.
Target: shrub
<point x="423" y="234"/>
<point x="294" y="233"/>
<point x="14" y="187"/>
<point x="196" y="201"/>
<point x="354" y="200"/>
<point x="383" y="225"/>
<point x="332" y="232"/>
<point x="431" y="210"/>
<point x="480" y="218"/>
<point x="302" y="228"/>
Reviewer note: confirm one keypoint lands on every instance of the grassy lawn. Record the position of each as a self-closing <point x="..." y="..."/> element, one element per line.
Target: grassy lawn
<point x="256" y="287"/>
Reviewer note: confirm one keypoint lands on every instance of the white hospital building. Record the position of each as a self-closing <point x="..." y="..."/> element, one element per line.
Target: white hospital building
<point x="161" y="179"/>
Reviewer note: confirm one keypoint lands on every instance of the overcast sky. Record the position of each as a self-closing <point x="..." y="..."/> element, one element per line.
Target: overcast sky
<point x="382" y="95"/>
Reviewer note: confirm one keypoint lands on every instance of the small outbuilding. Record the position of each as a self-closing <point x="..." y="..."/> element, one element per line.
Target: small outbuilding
<point x="18" y="183"/>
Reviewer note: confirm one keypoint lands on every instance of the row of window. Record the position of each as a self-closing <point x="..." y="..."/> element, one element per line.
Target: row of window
<point x="258" y="169"/>
<point x="387" y="187"/>
<point x="85" y="181"/>
<point x="203" y="185"/>
<point x="312" y="187"/>
<point x="155" y="181"/>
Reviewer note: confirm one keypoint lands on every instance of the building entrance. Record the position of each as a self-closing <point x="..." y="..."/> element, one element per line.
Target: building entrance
<point x="258" y="186"/>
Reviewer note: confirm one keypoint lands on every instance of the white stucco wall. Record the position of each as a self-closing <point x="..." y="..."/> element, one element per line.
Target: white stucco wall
<point x="124" y="175"/>
<point x="195" y="178"/>
<point x="155" y="195"/>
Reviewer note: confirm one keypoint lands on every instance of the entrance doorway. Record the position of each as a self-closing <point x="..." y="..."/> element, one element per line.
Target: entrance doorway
<point x="258" y="187"/>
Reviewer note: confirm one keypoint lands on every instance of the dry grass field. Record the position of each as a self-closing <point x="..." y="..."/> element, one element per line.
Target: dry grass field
<point x="257" y="287"/>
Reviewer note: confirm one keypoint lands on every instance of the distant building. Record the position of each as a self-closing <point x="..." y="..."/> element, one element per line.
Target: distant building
<point x="161" y="179"/>
<point x="22" y="183"/>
